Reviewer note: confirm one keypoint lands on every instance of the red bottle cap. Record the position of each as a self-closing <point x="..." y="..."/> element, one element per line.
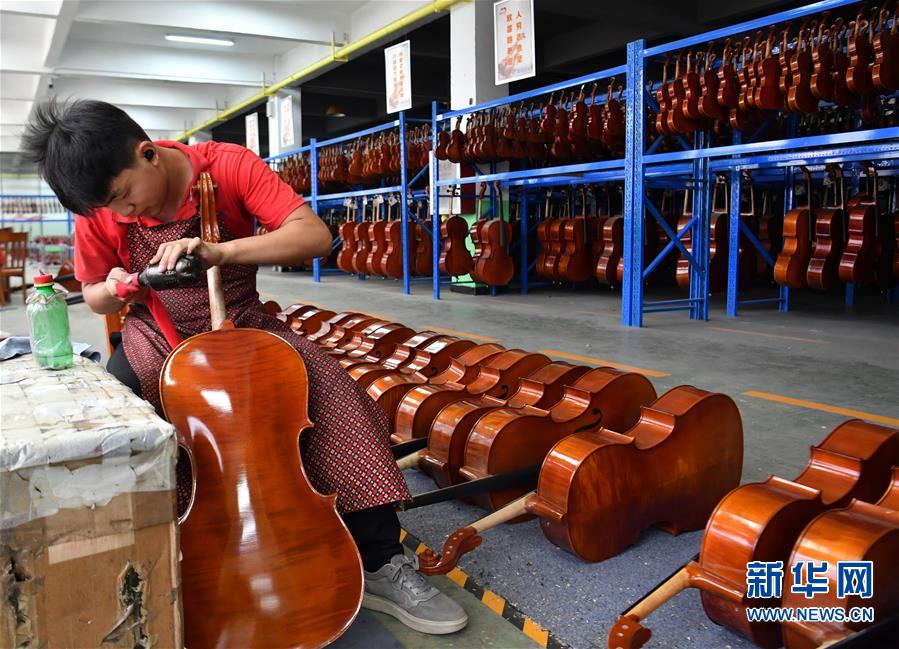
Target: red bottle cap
<point x="43" y="279"/>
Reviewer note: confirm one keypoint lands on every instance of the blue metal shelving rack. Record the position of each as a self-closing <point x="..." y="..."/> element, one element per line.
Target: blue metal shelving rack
<point x="698" y="163"/>
<point x="641" y="168"/>
<point x="525" y="179"/>
<point x="318" y="199"/>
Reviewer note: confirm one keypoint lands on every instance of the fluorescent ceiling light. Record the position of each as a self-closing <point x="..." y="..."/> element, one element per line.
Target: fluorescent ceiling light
<point x="200" y="40"/>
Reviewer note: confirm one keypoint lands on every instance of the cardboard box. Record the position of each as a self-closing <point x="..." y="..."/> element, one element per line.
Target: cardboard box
<point x="88" y="538"/>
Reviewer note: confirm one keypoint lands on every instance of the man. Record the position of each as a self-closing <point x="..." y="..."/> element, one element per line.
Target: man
<point x="135" y="207"/>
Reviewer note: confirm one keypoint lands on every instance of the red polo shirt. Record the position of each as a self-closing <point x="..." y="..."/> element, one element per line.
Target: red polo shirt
<point x="245" y="188"/>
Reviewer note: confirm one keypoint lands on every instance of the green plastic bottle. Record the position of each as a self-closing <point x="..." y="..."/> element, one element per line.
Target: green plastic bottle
<point x="48" y="319"/>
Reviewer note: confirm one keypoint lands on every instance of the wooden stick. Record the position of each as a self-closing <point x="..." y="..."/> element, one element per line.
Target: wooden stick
<point x="514" y="509"/>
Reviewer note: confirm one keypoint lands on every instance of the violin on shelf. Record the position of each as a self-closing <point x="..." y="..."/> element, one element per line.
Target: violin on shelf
<point x="494" y="266"/>
<point x="347" y="232"/>
<point x="859" y="49"/>
<point x="575" y="261"/>
<point x="454" y="149"/>
<point x="859" y="258"/>
<point x="770" y="234"/>
<point x="454" y="256"/>
<point x="822" y="63"/>
<point x="792" y="262"/>
<point x="800" y="98"/>
<point x="443" y="139"/>
<point x="885" y="71"/>
<point x="613" y="125"/>
<point x="363" y="242"/>
<point x="424" y="244"/>
<point x="708" y="105"/>
<point x="606" y="270"/>
<point x="768" y="94"/>
<point x="830" y="225"/>
<point x="550" y="268"/>
<point x="728" y="81"/>
<point x="377" y="238"/>
<point x="662" y="97"/>
<point x="391" y="263"/>
<point x="678" y="122"/>
<point x="548" y="122"/>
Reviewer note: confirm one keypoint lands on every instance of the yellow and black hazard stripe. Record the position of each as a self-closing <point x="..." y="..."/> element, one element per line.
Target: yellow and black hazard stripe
<point x="492" y="600"/>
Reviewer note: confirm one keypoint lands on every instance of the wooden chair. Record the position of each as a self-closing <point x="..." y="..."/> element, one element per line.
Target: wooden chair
<point x="115" y="322"/>
<point x="15" y="246"/>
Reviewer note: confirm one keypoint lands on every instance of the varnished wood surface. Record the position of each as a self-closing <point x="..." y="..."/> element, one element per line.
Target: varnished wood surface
<point x="267" y="562"/>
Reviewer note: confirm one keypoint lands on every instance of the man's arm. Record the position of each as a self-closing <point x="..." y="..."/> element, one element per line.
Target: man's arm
<point x="302" y="236"/>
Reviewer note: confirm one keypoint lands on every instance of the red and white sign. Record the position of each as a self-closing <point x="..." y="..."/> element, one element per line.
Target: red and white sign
<point x="252" y="124"/>
<point x="399" y="77"/>
<point x="513" y="40"/>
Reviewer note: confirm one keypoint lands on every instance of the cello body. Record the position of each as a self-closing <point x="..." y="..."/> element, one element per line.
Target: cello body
<point x="761" y="521"/>
<point x="670" y="469"/>
<point x="792" y="262"/>
<point x="249" y="478"/>
<point x="266" y="559"/>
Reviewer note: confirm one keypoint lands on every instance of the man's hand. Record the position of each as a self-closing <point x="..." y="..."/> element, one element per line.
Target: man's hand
<point x="211" y="254"/>
<point x="120" y="275"/>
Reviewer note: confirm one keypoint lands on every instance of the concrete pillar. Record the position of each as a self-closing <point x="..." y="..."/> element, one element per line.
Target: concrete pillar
<point x="472" y="80"/>
<point x="278" y="139"/>
<point x="471" y="55"/>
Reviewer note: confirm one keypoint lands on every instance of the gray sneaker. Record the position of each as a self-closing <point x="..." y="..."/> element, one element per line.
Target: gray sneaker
<point x="398" y="589"/>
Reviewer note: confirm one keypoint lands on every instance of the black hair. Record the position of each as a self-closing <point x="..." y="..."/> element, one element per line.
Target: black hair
<point x="79" y="147"/>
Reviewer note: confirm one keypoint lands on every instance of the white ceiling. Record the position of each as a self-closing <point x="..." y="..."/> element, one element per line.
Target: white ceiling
<point x="115" y="51"/>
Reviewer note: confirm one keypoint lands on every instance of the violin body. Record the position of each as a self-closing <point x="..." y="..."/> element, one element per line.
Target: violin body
<point x="494" y="265"/>
<point x="800" y="98"/>
<point x="858" y="261"/>
<point x="377" y="237"/>
<point x="670" y="469"/>
<point x="455" y="259"/>
<point x="859" y="532"/>
<point x="363" y="247"/>
<point x="348" y="248"/>
<point x="391" y="262"/>
<point x="792" y="262"/>
<point x="389" y="390"/>
<point x="575" y="262"/>
<point x="828" y="246"/>
<point x="494" y="377"/>
<point x="424" y="245"/>
<point x="426" y="362"/>
<point x="452" y="425"/>
<point x="761" y="521"/>
<point x="511" y="438"/>
<point x="249" y="473"/>
<point x="885" y="71"/>
<point x="606" y="270"/>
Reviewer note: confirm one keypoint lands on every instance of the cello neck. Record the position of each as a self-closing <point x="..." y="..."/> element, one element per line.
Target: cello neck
<point x="210" y="233"/>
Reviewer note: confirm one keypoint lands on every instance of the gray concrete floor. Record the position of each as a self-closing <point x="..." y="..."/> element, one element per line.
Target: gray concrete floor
<point x="820" y="352"/>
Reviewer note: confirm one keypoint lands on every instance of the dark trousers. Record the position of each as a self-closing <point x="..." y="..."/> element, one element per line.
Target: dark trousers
<point x="376" y="530"/>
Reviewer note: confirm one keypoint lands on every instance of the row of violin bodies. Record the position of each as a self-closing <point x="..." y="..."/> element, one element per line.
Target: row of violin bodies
<point x="528" y="437"/>
<point x="361" y="163"/>
<point x="843" y="507"/>
<point x="792" y="68"/>
<point x="563" y="130"/>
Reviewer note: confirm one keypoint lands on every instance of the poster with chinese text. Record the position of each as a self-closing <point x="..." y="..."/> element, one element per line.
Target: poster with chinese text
<point x="252" y="123"/>
<point x="399" y="77"/>
<point x="513" y="40"/>
<point x="285" y="112"/>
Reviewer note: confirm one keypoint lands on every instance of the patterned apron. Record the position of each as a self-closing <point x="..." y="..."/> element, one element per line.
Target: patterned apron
<point x="348" y="450"/>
